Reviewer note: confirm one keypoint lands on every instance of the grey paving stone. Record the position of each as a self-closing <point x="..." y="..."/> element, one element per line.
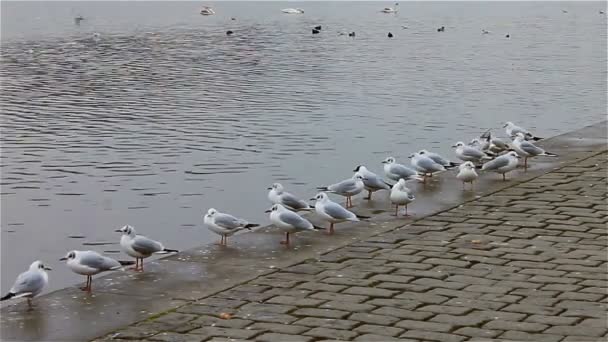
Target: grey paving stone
<point x="288" y="329"/>
<point x="517" y="326"/>
<point x="427" y="326"/>
<point x="332" y="333"/>
<point x="272" y="337"/>
<point x="382" y="330"/>
<point x="323" y="313"/>
<point x="314" y="322"/>
<point x="477" y="333"/>
<point x="347" y="306"/>
<point x="373" y="318"/>
<point x="524" y="336"/>
<point x="432" y="336"/>
<point x="579" y="330"/>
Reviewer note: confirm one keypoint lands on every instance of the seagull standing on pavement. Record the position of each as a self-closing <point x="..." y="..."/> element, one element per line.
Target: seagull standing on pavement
<point x="139" y="246"/>
<point x="30" y="283"/>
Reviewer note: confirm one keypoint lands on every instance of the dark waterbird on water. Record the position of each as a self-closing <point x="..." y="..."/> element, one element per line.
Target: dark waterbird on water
<point x="315" y="31"/>
<point x="229" y="33"/>
<point x="390" y="35"/>
<point x="508" y="36"/>
<point x="352" y="34"/>
<point x="441" y="29"/>
<point x="318" y="27"/>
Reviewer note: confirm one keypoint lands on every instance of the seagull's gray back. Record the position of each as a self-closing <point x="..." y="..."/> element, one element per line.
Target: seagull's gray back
<point x="292" y="201"/>
<point x="228" y="221"/>
<point x="402" y="171"/>
<point x="143" y="245"/>
<point x="531" y="149"/>
<point x="98" y="262"/>
<point x="347" y="185"/>
<point x="429" y="165"/>
<point x="28" y="281"/>
<point x="375" y="182"/>
<point x="294" y="220"/>
<point x="472" y="152"/>
<point x="438" y="159"/>
<point x="337" y="211"/>
<point x="495" y="164"/>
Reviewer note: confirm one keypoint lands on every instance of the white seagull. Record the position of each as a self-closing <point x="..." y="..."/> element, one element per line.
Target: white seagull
<point x="425" y="165"/>
<point x="90" y="263"/>
<point x="467" y="173"/>
<point x="288" y="221"/>
<point x="332" y="212"/>
<point x="396" y="171"/>
<point x="225" y="225"/>
<point x="511" y="129"/>
<point x="347" y="188"/>
<point x="278" y="195"/>
<point x="139" y="246"/>
<point x="371" y="181"/>
<point x="29" y="283"/>
<point x="527" y="149"/>
<point x="401" y="195"/>
<point x="292" y="10"/>
<point x="438" y="159"/>
<point x="469" y="153"/>
<point x="503" y="164"/>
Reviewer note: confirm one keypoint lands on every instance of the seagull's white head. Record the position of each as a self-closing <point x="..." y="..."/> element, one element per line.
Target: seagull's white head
<point x="508" y="124"/>
<point x="520" y="136"/>
<point x="358" y="176"/>
<point x="127" y="230"/>
<point x="421" y="152"/>
<point x="70" y="256"/>
<point x="458" y="144"/>
<point x="513" y="154"/>
<point x="275" y="207"/>
<point x="277" y="187"/>
<point x="468" y="165"/>
<point x="389" y="160"/>
<point x="321" y="197"/>
<point x="38" y="265"/>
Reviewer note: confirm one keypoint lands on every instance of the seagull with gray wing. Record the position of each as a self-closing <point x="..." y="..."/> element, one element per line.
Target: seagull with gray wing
<point x="288" y="221"/>
<point x="139" y="246"/>
<point x="527" y="149"/>
<point x="332" y="212"/>
<point x="90" y="263"/>
<point x="347" y="188"/>
<point x="469" y="153"/>
<point x="502" y="164"/>
<point x="30" y="283"/>
<point x="371" y="181"/>
<point x="225" y="225"/>
<point x="278" y="195"/>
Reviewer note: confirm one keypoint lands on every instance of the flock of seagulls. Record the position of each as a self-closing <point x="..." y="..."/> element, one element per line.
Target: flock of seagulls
<point x="486" y="152"/>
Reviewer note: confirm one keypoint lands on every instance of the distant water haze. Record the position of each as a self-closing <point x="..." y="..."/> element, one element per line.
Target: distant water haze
<point x="147" y="114"/>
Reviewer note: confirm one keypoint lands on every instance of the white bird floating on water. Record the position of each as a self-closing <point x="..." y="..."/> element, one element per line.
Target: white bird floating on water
<point x="30" y="283"/>
<point x="225" y="225"/>
<point x="207" y="11"/>
<point x="332" y="212"/>
<point x="288" y="221"/>
<point x="502" y="164"/>
<point x="90" y="263"/>
<point x="401" y="195"/>
<point x="371" y="181"/>
<point x="467" y="173"/>
<point x="292" y="11"/>
<point x="390" y="9"/>
<point x="527" y="149"/>
<point x="278" y="195"/>
<point x="347" y="188"/>
<point x="139" y="246"/>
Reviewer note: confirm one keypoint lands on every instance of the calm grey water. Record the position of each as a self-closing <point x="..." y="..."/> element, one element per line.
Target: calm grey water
<point x="148" y="114"/>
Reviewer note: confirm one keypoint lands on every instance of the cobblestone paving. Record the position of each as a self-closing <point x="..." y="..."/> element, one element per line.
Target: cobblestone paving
<point x="525" y="264"/>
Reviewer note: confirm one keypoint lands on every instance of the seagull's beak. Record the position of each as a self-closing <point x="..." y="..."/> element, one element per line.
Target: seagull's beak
<point x="48" y="268"/>
<point x="63" y="259"/>
<point x="355" y="170"/>
<point x="505" y="125"/>
<point x="313" y="199"/>
<point x="267" y="211"/>
<point x="410" y="156"/>
<point x="384" y="162"/>
<point x="268" y="188"/>
<point x="118" y="231"/>
<point x="453" y="145"/>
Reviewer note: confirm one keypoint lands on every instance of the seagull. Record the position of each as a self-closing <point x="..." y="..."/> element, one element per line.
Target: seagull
<point x="527" y="149"/>
<point x="511" y="129"/>
<point x="485" y="31"/>
<point x="371" y="181"/>
<point x="225" y="225"/>
<point x="396" y="171"/>
<point x="318" y="27"/>
<point x="332" y="212"/>
<point x="425" y="165"/>
<point x="347" y="188"/>
<point x="502" y="164"/>
<point x="438" y="159"/>
<point x="468" y="153"/>
<point x="288" y="221"/>
<point x="90" y="263"/>
<point x="486" y="143"/>
<point x="29" y="283"/>
<point x="139" y="246"/>
<point x="278" y="195"/>
<point x="467" y="174"/>
<point x="390" y="35"/>
<point x="401" y="195"/>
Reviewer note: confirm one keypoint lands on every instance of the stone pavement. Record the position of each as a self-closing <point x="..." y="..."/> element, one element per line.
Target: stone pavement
<point x="527" y="263"/>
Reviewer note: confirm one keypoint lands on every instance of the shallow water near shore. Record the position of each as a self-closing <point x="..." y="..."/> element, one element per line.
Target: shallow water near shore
<point x="148" y="114"/>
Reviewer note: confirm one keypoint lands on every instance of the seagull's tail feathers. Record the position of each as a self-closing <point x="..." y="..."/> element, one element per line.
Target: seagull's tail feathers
<point x="168" y="250"/>
<point x="549" y="154"/>
<point x="23" y="294"/>
<point x="8" y="296"/>
<point x="361" y="217"/>
<point x="322" y="188"/>
<point x="126" y="263"/>
<point x="251" y="225"/>
<point x="536" y="138"/>
<point x="389" y="184"/>
<point x="317" y="228"/>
